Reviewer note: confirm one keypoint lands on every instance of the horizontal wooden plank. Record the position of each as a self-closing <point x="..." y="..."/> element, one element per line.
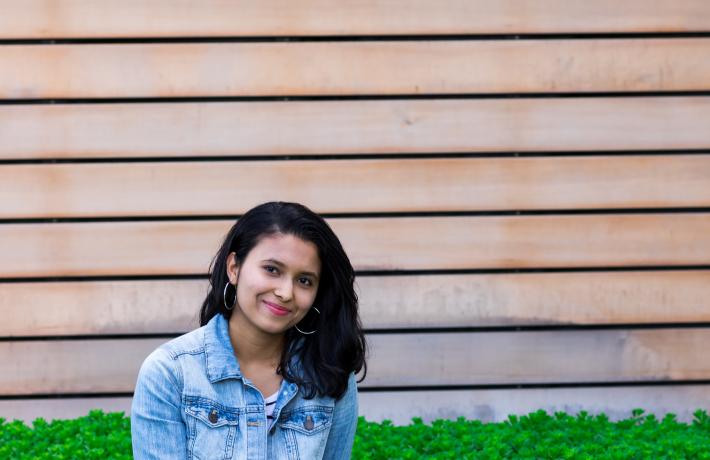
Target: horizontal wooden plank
<point x="80" y="366"/>
<point x="352" y="127"/>
<point x="135" y="307"/>
<point x="186" y="247"/>
<point x="400" y="407"/>
<point x="29" y="410"/>
<point x="335" y="186"/>
<point x="496" y="405"/>
<point x="72" y="366"/>
<point x="537" y="357"/>
<point x="345" y="68"/>
<point x="161" y="18"/>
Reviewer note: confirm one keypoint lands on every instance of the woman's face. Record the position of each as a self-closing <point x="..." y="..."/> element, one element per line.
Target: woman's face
<point x="277" y="282"/>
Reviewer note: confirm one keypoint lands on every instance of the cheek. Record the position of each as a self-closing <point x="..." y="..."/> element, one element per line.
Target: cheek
<point x="306" y="299"/>
<point x="251" y="285"/>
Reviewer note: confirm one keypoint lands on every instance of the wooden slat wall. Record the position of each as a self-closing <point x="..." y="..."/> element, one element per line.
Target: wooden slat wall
<point x="391" y="243"/>
<point x="346" y="68"/>
<point x="393" y="127"/>
<point x="443" y="184"/>
<point x="451" y="358"/>
<point x="159" y="18"/>
<point x="515" y="205"/>
<point x="386" y="302"/>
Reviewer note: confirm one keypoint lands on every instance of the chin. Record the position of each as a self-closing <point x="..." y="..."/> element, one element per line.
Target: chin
<point x="271" y="328"/>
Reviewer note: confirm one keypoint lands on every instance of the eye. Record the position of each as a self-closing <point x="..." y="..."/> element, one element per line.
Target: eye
<point x="306" y="281"/>
<point x="271" y="269"/>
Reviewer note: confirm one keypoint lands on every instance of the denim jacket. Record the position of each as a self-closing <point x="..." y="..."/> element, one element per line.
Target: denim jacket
<point x="192" y="402"/>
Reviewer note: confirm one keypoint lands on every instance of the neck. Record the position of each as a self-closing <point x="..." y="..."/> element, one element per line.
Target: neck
<point x="251" y="345"/>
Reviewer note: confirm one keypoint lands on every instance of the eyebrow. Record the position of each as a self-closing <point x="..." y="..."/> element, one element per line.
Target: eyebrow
<point x="281" y="264"/>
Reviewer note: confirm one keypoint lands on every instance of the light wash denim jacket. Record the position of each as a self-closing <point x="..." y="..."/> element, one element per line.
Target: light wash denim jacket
<point x="192" y="402"/>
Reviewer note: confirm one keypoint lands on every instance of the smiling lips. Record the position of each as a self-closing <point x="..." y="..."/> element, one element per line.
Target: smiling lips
<point x="277" y="310"/>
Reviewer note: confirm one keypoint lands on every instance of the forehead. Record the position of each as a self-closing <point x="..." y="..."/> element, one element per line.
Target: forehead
<point x="292" y="251"/>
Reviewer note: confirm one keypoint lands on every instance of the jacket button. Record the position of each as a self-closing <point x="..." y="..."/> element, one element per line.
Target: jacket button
<point x="308" y="423"/>
<point x="213" y="416"/>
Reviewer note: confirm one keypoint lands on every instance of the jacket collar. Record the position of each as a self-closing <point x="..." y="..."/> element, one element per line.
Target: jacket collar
<point x="221" y="361"/>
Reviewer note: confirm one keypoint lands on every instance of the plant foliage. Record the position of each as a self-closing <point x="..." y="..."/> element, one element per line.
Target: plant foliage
<point x="97" y="436"/>
<point x="538" y="435"/>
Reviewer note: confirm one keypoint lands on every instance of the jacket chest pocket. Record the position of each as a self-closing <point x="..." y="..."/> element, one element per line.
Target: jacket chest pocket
<point x="305" y="431"/>
<point x="212" y="429"/>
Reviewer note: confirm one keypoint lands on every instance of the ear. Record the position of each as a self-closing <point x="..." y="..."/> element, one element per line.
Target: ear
<point x="232" y="268"/>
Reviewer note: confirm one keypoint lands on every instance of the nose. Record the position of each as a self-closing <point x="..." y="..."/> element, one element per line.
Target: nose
<point x="284" y="290"/>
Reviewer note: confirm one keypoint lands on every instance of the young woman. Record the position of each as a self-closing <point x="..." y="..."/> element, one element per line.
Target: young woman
<point x="271" y="372"/>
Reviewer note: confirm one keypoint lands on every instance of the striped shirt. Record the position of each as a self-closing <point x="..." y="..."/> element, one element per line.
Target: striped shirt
<point x="269" y="404"/>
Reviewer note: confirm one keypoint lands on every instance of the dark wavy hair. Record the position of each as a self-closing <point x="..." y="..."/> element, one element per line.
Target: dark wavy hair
<point x="324" y="359"/>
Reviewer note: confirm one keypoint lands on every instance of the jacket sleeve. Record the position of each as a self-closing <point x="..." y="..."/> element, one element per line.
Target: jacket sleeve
<point x="342" y="431"/>
<point x="157" y="427"/>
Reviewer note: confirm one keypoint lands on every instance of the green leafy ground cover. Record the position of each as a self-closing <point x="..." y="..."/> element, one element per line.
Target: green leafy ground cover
<point x="534" y="436"/>
<point x="97" y="436"/>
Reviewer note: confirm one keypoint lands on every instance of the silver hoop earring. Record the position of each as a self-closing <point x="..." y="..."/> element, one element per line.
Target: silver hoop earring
<point x="307" y="333"/>
<point x="224" y="296"/>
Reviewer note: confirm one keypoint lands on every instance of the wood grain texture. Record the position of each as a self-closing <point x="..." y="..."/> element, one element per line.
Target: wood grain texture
<point x="100" y="307"/>
<point x="537" y="357"/>
<point x="347" y="68"/>
<point x="78" y="366"/>
<point x="72" y="366"/>
<point x="400" y="407"/>
<point x="186" y="247"/>
<point x="534" y="299"/>
<point x="149" y="307"/>
<point x="353" y="127"/>
<point x="49" y="409"/>
<point x="341" y="186"/>
<point x="496" y="405"/>
<point x="161" y="18"/>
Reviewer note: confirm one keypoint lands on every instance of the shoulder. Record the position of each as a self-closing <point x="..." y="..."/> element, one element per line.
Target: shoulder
<point x="162" y="362"/>
<point x="189" y="343"/>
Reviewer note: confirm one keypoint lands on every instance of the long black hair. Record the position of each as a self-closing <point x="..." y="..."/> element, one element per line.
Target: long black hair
<point x="326" y="358"/>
